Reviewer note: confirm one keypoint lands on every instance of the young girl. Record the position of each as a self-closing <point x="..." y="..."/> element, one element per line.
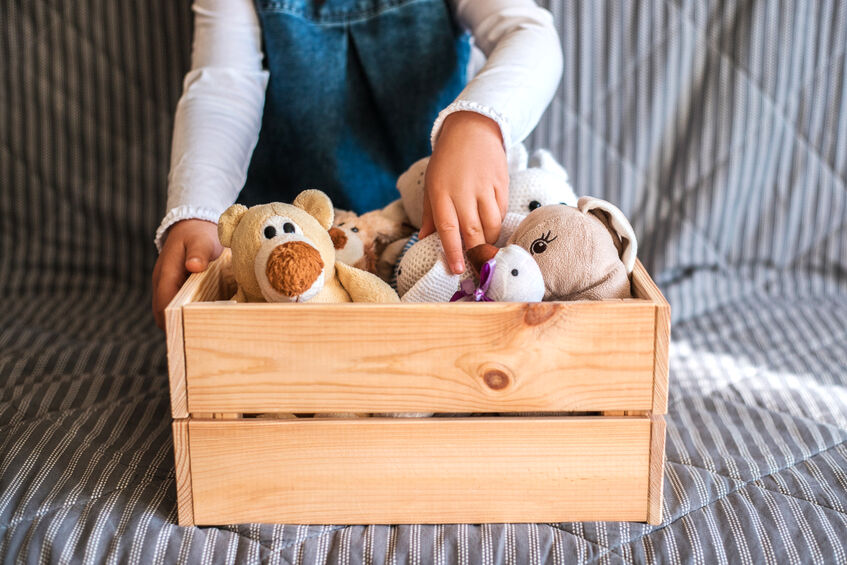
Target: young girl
<point x="353" y="92"/>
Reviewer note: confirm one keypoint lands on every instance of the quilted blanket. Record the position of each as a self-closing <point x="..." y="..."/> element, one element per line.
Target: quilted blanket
<point x="718" y="126"/>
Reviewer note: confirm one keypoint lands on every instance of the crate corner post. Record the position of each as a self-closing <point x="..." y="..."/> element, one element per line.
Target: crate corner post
<point x="182" y="463"/>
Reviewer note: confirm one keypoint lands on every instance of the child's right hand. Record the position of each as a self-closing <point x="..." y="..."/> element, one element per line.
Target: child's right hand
<point x="189" y="248"/>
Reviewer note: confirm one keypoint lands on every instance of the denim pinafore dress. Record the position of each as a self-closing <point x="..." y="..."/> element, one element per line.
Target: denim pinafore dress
<point x="354" y="88"/>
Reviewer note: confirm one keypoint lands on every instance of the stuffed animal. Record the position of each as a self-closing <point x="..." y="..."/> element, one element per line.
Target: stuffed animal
<point x="509" y="274"/>
<point x="284" y="253"/>
<point x="584" y="253"/>
<point x="536" y="182"/>
<point x="360" y="240"/>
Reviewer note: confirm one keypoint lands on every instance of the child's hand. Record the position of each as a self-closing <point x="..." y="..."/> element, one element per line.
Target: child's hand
<point x="189" y="247"/>
<point x="467" y="185"/>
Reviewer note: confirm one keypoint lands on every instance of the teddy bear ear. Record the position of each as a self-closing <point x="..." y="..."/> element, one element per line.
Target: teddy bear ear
<point x="544" y="160"/>
<point x="617" y="223"/>
<point x="229" y="221"/>
<point x="318" y="205"/>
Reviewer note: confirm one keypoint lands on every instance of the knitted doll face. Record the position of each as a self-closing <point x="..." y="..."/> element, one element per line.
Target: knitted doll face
<point x="543" y="183"/>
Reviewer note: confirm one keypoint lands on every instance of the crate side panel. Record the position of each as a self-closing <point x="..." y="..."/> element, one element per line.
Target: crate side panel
<point x="198" y="287"/>
<point x="576" y="356"/>
<point x="428" y="470"/>
<point x="643" y="287"/>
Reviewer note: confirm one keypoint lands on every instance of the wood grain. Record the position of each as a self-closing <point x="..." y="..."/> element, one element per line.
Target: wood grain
<point x="182" y="461"/>
<point x="644" y="287"/>
<point x="199" y="287"/>
<point x="431" y="470"/>
<point x="657" y="469"/>
<point x="493" y="357"/>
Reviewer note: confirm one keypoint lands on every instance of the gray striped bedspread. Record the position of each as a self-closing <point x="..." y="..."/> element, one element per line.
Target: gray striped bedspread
<point x="717" y="126"/>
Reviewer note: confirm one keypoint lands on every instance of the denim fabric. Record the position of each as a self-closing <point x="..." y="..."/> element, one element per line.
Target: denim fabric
<point x="354" y="89"/>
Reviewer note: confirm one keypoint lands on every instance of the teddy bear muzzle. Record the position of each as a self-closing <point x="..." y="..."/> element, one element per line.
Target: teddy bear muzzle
<point x="294" y="271"/>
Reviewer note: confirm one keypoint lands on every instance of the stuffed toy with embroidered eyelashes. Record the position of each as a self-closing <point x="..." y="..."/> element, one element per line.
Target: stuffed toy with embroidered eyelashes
<point x="360" y="239"/>
<point x="533" y="182"/>
<point x="284" y="253"/>
<point x="585" y="252"/>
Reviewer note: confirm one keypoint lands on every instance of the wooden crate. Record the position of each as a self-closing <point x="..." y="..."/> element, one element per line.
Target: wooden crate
<point x="602" y="367"/>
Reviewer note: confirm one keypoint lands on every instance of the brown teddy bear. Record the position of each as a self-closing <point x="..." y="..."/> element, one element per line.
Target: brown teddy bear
<point x="584" y="253"/>
<point x="360" y="240"/>
<point x="284" y="253"/>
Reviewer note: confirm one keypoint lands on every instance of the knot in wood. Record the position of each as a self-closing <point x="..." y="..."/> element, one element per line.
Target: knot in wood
<point x="539" y="312"/>
<point x="495" y="379"/>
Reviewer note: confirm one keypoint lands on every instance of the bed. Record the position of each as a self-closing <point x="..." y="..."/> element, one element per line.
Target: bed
<point x="718" y="128"/>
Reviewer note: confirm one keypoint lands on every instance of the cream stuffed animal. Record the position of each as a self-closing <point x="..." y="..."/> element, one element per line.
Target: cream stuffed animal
<point x="584" y="253"/>
<point x="284" y="253"/>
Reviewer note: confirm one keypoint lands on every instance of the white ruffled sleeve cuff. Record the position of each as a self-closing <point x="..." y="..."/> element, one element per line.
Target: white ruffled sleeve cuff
<point x="184" y="213"/>
<point x="470" y="106"/>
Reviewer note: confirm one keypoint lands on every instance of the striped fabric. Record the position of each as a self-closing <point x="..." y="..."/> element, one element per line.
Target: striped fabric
<point x="717" y="126"/>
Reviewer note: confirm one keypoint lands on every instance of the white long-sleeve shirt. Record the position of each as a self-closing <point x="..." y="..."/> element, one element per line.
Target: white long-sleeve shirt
<point x="219" y="114"/>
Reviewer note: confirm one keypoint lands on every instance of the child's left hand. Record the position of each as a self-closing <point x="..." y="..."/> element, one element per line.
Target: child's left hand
<point x="467" y="185"/>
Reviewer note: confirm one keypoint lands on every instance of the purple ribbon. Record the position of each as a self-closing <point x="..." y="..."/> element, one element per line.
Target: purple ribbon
<point x="469" y="292"/>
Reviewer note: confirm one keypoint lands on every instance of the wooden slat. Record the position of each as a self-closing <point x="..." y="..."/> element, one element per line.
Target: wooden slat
<point x="182" y="460"/>
<point x="492" y="357"/>
<point x="199" y="286"/>
<point x="657" y="469"/>
<point x="644" y="287"/>
<point x="428" y="470"/>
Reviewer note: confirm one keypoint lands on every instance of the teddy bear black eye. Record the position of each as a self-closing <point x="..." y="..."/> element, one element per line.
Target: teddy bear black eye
<point x="514" y="272"/>
<point x="399" y="271"/>
<point x="270" y="232"/>
<point x="534" y="204"/>
<point x="354" y="229"/>
<point x="540" y="245"/>
<point x="288" y="227"/>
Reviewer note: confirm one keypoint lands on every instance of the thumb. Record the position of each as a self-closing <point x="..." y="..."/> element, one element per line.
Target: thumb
<point x="199" y="251"/>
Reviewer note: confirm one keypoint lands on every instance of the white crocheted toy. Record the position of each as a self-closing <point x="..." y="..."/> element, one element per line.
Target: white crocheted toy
<point x="533" y="182"/>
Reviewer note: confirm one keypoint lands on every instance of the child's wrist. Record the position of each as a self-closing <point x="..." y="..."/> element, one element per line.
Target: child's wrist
<point x="471" y="120"/>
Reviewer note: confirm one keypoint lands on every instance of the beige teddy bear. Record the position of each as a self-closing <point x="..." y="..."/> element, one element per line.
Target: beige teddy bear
<point x="284" y="253"/>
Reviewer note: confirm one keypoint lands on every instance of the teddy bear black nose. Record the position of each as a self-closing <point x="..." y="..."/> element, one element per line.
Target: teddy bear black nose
<point x="270" y="232"/>
<point x="288" y="227"/>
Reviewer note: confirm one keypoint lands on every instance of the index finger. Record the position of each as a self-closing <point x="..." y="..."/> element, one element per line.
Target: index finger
<point x="447" y="224"/>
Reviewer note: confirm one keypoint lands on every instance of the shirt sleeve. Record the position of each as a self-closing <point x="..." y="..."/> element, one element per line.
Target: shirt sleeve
<point x="219" y="114"/>
<point x="522" y="70"/>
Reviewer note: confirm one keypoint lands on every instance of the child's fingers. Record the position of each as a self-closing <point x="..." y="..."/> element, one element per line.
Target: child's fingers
<point x="502" y="197"/>
<point x="427" y="223"/>
<point x="171" y="275"/>
<point x="199" y="250"/>
<point x="447" y="224"/>
<point x="489" y="215"/>
<point x="470" y="224"/>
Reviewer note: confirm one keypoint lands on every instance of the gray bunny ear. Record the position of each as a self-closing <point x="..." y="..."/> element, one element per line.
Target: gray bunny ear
<point x="617" y="222"/>
<point x="543" y="159"/>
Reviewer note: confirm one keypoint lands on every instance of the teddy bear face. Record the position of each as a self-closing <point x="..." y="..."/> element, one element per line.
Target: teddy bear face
<point x="280" y="252"/>
<point x="576" y="252"/>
